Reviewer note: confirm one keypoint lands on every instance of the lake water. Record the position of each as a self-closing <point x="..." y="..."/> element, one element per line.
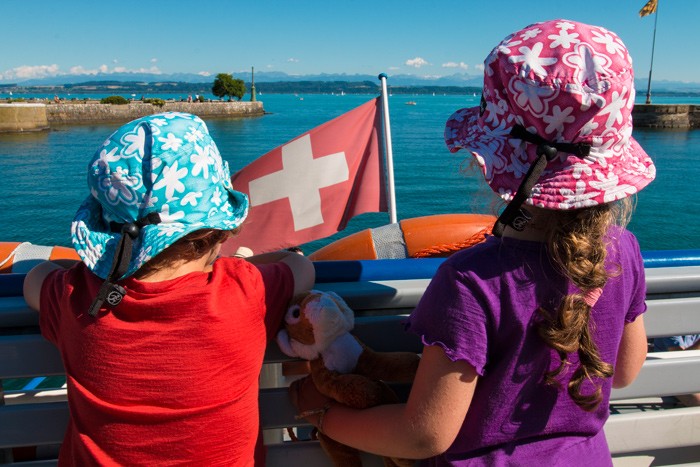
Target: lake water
<point x="43" y="174"/>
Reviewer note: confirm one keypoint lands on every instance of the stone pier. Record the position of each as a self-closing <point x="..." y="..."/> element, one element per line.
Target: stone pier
<point x="671" y="116"/>
<point x="20" y="117"/>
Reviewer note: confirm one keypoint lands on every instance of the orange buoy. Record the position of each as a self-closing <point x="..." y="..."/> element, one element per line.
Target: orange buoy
<point x="419" y="237"/>
<point x="20" y="257"/>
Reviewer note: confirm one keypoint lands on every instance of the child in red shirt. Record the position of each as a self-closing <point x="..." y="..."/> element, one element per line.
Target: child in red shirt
<point x="162" y="342"/>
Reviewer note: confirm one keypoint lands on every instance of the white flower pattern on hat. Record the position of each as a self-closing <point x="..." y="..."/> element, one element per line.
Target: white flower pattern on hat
<point x="134" y="142"/>
<point x="530" y="97"/>
<point x="193" y="135"/>
<point x="563" y="39"/>
<point x="170" y="142"/>
<point x="558" y="119"/>
<point x="612" y="45"/>
<point x="532" y="62"/>
<point x="202" y="160"/>
<point x="119" y="186"/>
<point x="191" y="198"/>
<point x="171" y="177"/>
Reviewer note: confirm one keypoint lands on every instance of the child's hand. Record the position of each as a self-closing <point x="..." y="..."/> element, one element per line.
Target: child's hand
<point x="307" y="399"/>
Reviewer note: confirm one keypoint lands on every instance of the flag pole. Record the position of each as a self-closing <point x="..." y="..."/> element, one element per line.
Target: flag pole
<point x="388" y="155"/>
<point x="653" y="43"/>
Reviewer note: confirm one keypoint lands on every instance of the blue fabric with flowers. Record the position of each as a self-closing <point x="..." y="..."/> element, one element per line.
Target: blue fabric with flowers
<point x="165" y="163"/>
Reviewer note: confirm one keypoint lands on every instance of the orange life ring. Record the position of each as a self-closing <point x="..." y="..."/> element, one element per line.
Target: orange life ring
<point x="20" y="257"/>
<point x="419" y="237"/>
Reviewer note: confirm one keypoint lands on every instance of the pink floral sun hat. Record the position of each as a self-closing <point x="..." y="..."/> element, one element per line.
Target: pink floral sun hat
<point x="562" y="88"/>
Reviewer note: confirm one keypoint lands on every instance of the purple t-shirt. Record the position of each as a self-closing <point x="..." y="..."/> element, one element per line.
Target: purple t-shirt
<point x="481" y="307"/>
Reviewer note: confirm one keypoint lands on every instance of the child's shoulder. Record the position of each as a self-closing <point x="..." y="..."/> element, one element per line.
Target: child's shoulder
<point x="232" y="265"/>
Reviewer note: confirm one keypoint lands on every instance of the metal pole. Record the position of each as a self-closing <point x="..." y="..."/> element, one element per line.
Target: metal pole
<point x="653" y="44"/>
<point x="388" y="155"/>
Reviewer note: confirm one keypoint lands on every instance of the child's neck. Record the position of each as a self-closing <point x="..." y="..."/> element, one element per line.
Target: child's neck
<point x="530" y="234"/>
<point x="177" y="270"/>
<point x="536" y="229"/>
<point x="181" y="268"/>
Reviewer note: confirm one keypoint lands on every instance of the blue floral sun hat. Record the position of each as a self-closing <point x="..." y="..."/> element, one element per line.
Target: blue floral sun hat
<point x="162" y="177"/>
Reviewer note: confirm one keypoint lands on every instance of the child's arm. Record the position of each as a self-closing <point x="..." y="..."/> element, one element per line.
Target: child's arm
<point x="631" y="354"/>
<point x="424" y="426"/>
<point x="302" y="268"/>
<point x="35" y="278"/>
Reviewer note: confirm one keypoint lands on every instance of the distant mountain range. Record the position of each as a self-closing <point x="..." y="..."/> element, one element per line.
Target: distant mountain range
<point x="260" y="77"/>
<point x="401" y="80"/>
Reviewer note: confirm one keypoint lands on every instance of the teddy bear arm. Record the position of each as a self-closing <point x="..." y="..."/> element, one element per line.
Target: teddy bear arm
<point x="341" y="455"/>
<point x="398" y="367"/>
<point x="351" y="389"/>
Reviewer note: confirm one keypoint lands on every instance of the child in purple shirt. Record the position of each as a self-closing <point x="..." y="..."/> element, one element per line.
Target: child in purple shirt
<point x="526" y="334"/>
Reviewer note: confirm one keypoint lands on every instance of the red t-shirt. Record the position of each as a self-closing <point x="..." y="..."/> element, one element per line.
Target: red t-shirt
<point x="170" y="375"/>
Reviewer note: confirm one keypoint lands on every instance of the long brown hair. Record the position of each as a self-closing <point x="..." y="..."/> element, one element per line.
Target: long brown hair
<point x="190" y="247"/>
<point x="577" y="244"/>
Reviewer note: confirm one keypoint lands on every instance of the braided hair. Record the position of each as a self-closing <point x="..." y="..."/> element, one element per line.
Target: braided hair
<point x="577" y="245"/>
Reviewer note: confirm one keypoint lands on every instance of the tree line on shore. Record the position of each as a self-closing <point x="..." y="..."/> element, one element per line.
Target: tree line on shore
<point x="278" y="87"/>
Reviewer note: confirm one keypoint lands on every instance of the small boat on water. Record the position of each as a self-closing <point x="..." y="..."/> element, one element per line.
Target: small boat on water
<point x="410" y="102"/>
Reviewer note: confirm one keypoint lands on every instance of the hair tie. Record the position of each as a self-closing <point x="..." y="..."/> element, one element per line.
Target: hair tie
<point x="592" y="295"/>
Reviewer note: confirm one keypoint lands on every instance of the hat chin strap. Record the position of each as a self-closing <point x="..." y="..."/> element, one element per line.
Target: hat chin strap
<point x="513" y="215"/>
<point x="110" y="291"/>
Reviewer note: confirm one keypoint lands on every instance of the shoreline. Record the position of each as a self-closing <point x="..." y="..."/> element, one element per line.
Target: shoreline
<point x="24" y="117"/>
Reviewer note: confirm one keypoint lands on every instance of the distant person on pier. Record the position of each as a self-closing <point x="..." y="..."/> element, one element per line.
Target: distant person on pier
<point x="162" y="341"/>
<point x="526" y="334"/>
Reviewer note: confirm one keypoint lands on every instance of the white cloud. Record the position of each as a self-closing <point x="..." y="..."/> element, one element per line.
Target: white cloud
<point x="115" y="61"/>
<point x="480" y="66"/>
<point x="417" y="62"/>
<point x="461" y="65"/>
<point x="204" y="73"/>
<point x="44" y="71"/>
<point x="293" y="60"/>
<point x="79" y="70"/>
<point x="154" y="60"/>
<point x="28" y="72"/>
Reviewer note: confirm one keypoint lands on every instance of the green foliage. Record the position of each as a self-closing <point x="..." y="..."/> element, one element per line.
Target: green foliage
<point x="201" y="98"/>
<point x="16" y="99"/>
<point x="118" y="100"/>
<point x="155" y="101"/>
<point x="226" y="85"/>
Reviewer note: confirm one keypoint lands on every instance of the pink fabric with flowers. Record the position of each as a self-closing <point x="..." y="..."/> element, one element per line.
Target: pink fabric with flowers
<point x="566" y="82"/>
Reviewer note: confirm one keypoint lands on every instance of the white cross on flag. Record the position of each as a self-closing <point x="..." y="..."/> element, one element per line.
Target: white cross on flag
<point x="310" y="187"/>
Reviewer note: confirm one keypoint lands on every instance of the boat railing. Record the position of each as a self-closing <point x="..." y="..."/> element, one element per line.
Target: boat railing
<point x="645" y="425"/>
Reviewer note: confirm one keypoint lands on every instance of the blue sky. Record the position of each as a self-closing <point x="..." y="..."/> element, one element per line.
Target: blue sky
<point x="427" y="38"/>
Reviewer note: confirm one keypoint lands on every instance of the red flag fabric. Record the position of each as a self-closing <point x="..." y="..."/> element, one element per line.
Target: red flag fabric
<point x="310" y="187"/>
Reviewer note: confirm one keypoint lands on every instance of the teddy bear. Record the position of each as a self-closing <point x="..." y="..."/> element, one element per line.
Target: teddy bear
<point x="317" y="328"/>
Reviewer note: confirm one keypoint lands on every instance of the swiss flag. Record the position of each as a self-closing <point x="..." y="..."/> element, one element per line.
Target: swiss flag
<point x="310" y="187"/>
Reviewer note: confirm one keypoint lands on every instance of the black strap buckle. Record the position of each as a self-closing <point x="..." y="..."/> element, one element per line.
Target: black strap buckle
<point x="110" y="291"/>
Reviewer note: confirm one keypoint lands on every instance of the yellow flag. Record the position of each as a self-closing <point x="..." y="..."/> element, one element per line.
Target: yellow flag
<point x="649" y="8"/>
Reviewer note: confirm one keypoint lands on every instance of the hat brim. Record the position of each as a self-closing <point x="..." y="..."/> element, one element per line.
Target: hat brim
<point x="96" y="244"/>
<point x="566" y="183"/>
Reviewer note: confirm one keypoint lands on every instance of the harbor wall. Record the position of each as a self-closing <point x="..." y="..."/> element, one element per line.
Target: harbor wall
<point x="671" y="116"/>
<point x="19" y="117"/>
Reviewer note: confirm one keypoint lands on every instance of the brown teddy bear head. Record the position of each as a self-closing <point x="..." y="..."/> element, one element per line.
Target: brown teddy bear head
<point x="312" y="322"/>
